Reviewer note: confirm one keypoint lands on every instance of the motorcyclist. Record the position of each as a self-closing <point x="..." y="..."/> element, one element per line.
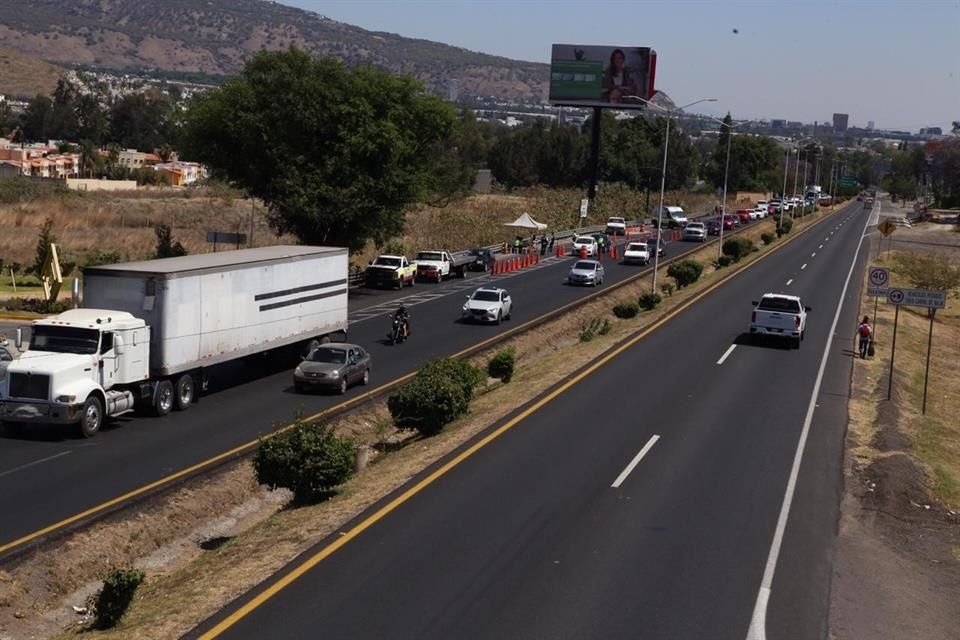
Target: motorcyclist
<point x="403" y="318"/>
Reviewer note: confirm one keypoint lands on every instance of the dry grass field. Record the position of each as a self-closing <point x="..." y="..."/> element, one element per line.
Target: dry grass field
<point x="123" y="222"/>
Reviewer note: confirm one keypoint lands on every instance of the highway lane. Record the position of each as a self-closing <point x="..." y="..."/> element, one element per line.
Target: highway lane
<point x="528" y="539"/>
<point x="67" y="475"/>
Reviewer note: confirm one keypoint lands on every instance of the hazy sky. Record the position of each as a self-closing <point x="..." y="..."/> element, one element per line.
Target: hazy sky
<point x="896" y="62"/>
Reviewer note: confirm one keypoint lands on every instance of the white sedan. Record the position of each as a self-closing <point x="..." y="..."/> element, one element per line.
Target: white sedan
<point x="588" y="243"/>
<point x="637" y="253"/>
<point x="488" y="304"/>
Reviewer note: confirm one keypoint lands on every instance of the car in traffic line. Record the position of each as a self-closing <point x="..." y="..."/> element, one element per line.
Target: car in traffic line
<point x="713" y="226"/>
<point x="487" y="304"/>
<point x="695" y="232"/>
<point x="616" y="226"/>
<point x="730" y="221"/>
<point x="588" y="272"/>
<point x="333" y="366"/>
<point x="652" y="242"/>
<point x="745" y="215"/>
<point x="637" y="253"/>
<point x="483" y="259"/>
<point x="585" y="244"/>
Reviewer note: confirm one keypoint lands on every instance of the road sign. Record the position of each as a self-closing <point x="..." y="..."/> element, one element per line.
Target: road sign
<point x="886" y="227"/>
<point x="918" y="298"/>
<point x="879" y="276"/>
<point x="221" y="237"/>
<point x="848" y="181"/>
<point x="584" y="203"/>
<point x="877" y="292"/>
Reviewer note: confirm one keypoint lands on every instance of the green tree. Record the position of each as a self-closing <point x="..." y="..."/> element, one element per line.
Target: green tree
<point x="44" y="240"/>
<point x="336" y="154"/>
<point x="143" y="121"/>
<point x="90" y="160"/>
<point x="166" y="247"/>
<point x="36" y="122"/>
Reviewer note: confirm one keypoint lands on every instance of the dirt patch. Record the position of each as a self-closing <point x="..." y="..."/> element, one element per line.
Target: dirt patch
<point x="216" y="538"/>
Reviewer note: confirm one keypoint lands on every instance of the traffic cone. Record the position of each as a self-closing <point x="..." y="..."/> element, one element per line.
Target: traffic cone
<point x="613" y="250"/>
<point x="583" y="253"/>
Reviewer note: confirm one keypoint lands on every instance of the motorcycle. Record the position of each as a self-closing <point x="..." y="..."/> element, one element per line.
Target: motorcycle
<point x="399" y="332"/>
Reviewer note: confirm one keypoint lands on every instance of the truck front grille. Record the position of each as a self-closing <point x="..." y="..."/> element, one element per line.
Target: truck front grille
<point x="32" y="386"/>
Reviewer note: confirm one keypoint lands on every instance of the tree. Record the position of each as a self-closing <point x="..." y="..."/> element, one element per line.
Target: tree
<point x="144" y="121"/>
<point x="90" y="161"/>
<point x="36" y="122"/>
<point x="929" y="271"/>
<point x="166" y="247"/>
<point x="44" y="240"/>
<point x="336" y="154"/>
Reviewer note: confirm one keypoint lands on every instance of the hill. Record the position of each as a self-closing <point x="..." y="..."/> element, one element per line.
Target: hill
<point x="25" y="75"/>
<point x="215" y="37"/>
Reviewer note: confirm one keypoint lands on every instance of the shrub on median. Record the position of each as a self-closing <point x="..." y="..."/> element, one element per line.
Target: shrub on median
<point x="501" y="365"/>
<point x="625" y="310"/>
<point x="439" y="394"/>
<point x="685" y="272"/>
<point x="723" y="261"/>
<point x="766" y="237"/>
<point x="737" y="248"/>
<point x="309" y="460"/>
<point x="115" y="596"/>
<point x="593" y="328"/>
<point x="785" y="227"/>
<point x="648" y="301"/>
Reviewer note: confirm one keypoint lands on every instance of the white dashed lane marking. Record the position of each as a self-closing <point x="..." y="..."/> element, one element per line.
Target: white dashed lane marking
<point x="804" y="266"/>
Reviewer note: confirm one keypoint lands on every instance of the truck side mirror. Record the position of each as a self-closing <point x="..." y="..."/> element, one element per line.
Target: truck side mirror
<point x="19" y="340"/>
<point x="753" y="302"/>
<point x="118" y="347"/>
<point x="807" y="309"/>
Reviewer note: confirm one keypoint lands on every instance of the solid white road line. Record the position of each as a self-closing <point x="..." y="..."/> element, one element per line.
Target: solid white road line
<point x="35" y="463"/>
<point x="804" y="266"/>
<point x="789" y="281"/>
<point x="636" y="460"/>
<point x="728" y="352"/>
<point x="758" y="622"/>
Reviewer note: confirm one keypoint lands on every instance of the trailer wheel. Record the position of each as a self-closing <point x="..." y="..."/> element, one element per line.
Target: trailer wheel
<point x="185" y="392"/>
<point x="92" y="417"/>
<point x="163" y="398"/>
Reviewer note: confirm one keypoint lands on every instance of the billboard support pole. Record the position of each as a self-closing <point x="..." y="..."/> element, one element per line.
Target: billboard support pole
<point x="594" y="152"/>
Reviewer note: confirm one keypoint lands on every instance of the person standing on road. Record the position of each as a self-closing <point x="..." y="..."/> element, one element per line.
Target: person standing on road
<point x="552" y="238"/>
<point x="865" y="331"/>
<point x="543" y="245"/>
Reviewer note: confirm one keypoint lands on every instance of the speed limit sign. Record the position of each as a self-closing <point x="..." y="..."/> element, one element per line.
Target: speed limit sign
<point x="879" y="277"/>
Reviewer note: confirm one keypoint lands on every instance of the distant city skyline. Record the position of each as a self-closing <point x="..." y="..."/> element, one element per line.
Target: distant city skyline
<point x="896" y="64"/>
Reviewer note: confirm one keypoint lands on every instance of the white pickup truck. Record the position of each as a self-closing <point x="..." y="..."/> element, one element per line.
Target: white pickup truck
<point x="780" y="316"/>
<point x="439" y="265"/>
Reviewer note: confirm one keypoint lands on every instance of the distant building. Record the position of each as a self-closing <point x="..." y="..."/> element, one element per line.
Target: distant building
<point x="931" y="131"/>
<point x="794" y="124"/>
<point x="870" y="125"/>
<point x="778" y="124"/>
<point x="179" y="174"/>
<point x="840" y="121"/>
<point x="133" y="159"/>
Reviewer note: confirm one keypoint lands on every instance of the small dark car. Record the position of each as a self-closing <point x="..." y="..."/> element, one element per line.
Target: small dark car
<point x="333" y="366"/>
<point x="483" y="259"/>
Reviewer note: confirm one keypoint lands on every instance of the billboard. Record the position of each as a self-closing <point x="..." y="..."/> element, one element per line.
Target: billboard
<point x="602" y="76"/>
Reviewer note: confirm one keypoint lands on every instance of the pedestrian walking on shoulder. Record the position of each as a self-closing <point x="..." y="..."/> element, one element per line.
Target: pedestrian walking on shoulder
<point x="543" y="245"/>
<point x="865" y="332"/>
<point x="552" y="238"/>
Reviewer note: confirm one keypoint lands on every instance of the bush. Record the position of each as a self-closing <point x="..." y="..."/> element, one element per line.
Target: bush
<point x="439" y="394"/>
<point x="103" y="257"/>
<point x="723" y="261"/>
<point x="35" y="305"/>
<point x="166" y="247"/>
<point x="737" y="248"/>
<point x="766" y="237"/>
<point x="501" y="365"/>
<point x="685" y="272"/>
<point x="308" y="459"/>
<point x="785" y="228"/>
<point x="667" y="289"/>
<point x="593" y="328"/>
<point x="115" y="596"/>
<point x="626" y="310"/>
<point x="648" y="301"/>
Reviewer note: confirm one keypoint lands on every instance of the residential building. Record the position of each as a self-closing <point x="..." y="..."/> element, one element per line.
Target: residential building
<point x="840" y="121"/>
<point x="180" y="174"/>
<point x="133" y="159"/>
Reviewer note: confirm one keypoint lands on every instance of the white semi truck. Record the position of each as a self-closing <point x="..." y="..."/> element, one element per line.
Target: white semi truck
<point x="149" y="330"/>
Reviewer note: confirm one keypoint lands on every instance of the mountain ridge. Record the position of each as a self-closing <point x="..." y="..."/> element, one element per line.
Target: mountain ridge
<point x="216" y="38"/>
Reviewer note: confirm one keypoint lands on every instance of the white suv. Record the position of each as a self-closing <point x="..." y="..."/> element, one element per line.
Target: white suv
<point x="695" y="231"/>
<point x="589" y="243"/>
<point x="488" y="304"/>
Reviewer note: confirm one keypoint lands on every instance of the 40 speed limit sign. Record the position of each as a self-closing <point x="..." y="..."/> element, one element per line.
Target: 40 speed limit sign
<point x="879" y="277"/>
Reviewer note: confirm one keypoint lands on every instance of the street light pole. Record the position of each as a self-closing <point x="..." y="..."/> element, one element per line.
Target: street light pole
<point x="783" y="193"/>
<point x="663" y="176"/>
<point x="723" y="203"/>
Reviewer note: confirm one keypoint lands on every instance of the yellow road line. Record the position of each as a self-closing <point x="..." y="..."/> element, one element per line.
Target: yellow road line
<point x="391" y="506"/>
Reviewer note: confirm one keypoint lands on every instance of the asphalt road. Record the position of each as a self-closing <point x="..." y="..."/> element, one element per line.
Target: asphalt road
<point x="67" y="475"/>
<point x="529" y="539"/>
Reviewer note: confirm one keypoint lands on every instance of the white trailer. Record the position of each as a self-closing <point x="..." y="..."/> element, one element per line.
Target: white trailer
<point x="149" y="330"/>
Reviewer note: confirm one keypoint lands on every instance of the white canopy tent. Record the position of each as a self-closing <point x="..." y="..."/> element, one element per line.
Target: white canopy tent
<point x="526" y="222"/>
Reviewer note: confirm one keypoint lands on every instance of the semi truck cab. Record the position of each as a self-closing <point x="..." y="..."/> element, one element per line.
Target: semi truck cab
<point x="81" y="365"/>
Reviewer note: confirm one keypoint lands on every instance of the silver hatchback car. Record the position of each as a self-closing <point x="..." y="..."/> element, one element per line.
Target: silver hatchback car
<point x="589" y="272"/>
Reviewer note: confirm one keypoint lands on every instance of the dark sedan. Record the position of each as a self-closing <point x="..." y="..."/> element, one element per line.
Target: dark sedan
<point x="335" y="365"/>
<point x="483" y="259"/>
